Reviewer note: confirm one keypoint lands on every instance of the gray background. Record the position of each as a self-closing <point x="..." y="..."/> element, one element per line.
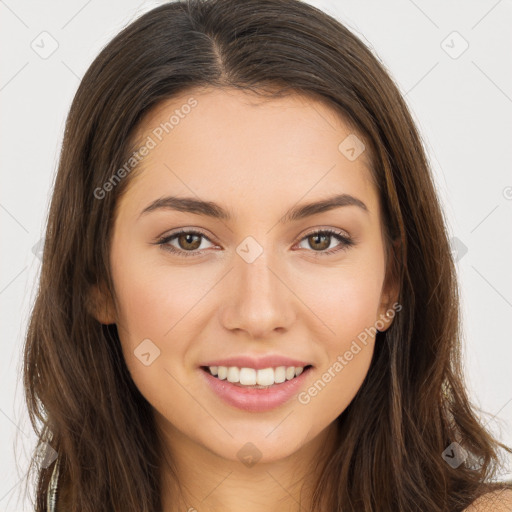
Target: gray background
<point x="461" y="101"/>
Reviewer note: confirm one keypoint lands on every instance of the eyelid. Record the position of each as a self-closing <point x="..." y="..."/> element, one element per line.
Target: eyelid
<point x="179" y="231"/>
<point x="346" y="241"/>
<point x="165" y="238"/>
<point x="325" y="229"/>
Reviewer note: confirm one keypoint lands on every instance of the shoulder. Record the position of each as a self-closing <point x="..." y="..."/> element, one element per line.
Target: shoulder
<point x="496" y="501"/>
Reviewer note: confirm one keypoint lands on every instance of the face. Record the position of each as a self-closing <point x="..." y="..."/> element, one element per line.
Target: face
<point x="255" y="282"/>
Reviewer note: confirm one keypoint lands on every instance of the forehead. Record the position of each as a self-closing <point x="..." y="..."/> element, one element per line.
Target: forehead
<point x="234" y="144"/>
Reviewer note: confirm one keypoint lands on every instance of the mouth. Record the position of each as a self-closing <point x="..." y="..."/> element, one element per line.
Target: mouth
<point x="252" y="378"/>
<point x="255" y="383"/>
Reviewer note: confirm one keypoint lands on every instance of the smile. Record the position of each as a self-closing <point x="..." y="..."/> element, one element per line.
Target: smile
<point x="252" y="377"/>
<point x="255" y="390"/>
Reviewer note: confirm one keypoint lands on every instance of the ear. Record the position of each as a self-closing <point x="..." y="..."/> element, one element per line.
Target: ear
<point x="100" y="304"/>
<point x="389" y="304"/>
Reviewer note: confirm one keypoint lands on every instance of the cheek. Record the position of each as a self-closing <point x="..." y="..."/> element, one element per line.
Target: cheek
<point x="349" y="312"/>
<point x="347" y="303"/>
<point x="160" y="303"/>
<point x="345" y="299"/>
<point x="153" y="296"/>
<point x="336" y="383"/>
<point x="154" y="305"/>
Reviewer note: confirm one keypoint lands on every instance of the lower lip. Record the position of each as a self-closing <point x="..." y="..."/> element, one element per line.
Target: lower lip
<point x="253" y="399"/>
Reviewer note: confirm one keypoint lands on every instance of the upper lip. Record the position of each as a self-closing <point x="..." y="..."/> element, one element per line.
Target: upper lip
<point x="257" y="362"/>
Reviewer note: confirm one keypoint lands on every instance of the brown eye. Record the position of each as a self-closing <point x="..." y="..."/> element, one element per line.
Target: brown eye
<point x="320" y="241"/>
<point x="186" y="241"/>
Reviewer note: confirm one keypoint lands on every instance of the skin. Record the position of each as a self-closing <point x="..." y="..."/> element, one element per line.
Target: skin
<point x="496" y="501"/>
<point x="257" y="159"/>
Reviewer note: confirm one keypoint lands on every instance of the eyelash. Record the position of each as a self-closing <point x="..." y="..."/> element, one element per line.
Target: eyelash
<point x="345" y="244"/>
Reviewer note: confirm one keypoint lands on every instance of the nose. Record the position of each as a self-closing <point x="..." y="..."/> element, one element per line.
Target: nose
<point x="258" y="298"/>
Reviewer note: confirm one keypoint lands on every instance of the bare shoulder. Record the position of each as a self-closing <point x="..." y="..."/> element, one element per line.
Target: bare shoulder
<point x="496" y="501"/>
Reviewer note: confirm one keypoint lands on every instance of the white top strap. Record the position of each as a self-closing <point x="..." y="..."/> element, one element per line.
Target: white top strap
<point x="51" y="499"/>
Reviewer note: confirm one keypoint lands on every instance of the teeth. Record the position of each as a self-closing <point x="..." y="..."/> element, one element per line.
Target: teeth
<point x="248" y="376"/>
<point x="280" y="374"/>
<point x="253" y="377"/>
<point x="233" y="374"/>
<point x="222" y="372"/>
<point x="265" y="377"/>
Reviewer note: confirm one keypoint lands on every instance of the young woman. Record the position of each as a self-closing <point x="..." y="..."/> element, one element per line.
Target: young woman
<point x="248" y="299"/>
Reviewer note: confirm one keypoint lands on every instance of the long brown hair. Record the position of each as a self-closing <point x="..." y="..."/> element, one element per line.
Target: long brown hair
<point x="413" y="403"/>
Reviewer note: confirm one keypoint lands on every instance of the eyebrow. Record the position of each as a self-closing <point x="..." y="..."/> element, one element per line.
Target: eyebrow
<point x="214" y="210"/>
